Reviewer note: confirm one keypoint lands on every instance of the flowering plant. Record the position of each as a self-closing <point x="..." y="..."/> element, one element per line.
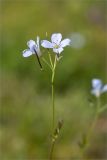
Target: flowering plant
<point x="57" y="45"/>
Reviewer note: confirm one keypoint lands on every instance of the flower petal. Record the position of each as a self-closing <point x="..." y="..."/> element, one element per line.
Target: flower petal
<point x="104" y="89"/>
<point x="31" y="45"/>
<point x="58" y="50"/>
<point x="97" y="84"/>
<point x="65" y="42"/>
<point x="27" y="53"/>
<point x="46" y="44"/>
<point x="56" y="38"/>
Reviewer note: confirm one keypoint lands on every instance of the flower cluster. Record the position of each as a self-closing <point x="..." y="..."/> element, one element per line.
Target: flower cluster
<point x="56" y="44"/>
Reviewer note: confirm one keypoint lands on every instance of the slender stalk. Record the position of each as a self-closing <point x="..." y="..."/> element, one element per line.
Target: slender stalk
<point x="46" y="63"/>
<point x="52" y="149"/>
<point x="53" y="107"/>
<point x="98" y="104"/>
<point x="89" y="133"/>
<point x="95" y="118"/>
<point x="53" y="94"/>
<point x="50" y="60"/>
<point x="53" y="65"/>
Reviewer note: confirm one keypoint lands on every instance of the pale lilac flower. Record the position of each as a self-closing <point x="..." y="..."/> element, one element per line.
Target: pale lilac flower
<point x="33" y="48"/>
<point x="98" y="87"/>
<point x="56" y="43"/>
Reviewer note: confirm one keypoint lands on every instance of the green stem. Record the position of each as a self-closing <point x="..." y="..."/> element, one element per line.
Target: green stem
<point x="95" y="118"/>
<point x="53" y="65"/>
<point x="53" y="106"/>
<point x="46" y="63"/>
<point x="52" y="149"/>
<point x="98" y="104"/>
<point x="89" y="133"/>
<point x="53" y="94"/>
<point x="50" y="60"/>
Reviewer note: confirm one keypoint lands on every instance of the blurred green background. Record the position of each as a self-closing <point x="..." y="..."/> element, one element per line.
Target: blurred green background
<point x="25" y="96"/>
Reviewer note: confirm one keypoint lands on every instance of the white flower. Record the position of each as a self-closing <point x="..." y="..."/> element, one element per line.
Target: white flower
<point x="33" y="48"/>
<point x="98" y="87"/>
<point x="56" y="43"/>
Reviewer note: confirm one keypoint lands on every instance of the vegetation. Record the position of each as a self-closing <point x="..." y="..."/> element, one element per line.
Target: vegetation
<point x="26" y="112"/>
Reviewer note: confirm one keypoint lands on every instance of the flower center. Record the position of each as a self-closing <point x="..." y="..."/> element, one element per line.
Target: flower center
<point x="56" y="46"/>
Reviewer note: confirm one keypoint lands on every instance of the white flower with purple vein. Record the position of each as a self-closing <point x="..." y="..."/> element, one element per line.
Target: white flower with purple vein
<point x="56" y="44"/>
<point x="33" y="49"/>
